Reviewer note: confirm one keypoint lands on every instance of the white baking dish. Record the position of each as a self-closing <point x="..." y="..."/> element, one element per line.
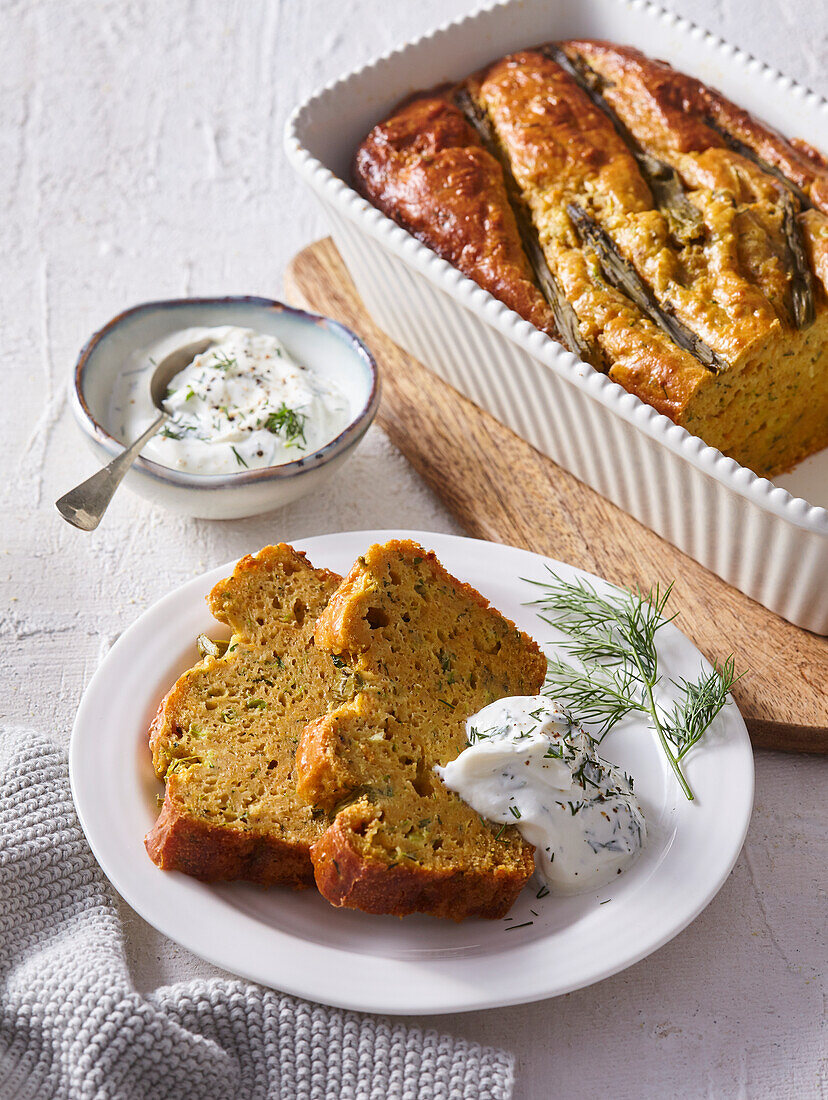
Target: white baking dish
<point x="757" y="535"/>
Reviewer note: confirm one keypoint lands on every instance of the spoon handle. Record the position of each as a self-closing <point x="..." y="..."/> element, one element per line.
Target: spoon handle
<point x="85" y="505"/>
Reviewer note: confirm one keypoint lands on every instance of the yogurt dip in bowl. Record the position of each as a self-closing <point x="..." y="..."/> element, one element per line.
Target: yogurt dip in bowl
<point x="266" y="413"/>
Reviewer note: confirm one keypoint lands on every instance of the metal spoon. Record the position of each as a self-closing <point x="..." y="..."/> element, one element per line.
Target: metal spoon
<point x="85" y="505"/>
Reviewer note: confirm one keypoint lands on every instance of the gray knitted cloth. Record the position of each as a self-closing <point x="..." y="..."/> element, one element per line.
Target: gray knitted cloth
<point x="73" y="1026"/>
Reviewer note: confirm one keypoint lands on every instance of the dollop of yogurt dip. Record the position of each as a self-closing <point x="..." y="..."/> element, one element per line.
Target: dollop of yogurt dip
<point x="244" y="403"/>
<point x="528" y="765"/>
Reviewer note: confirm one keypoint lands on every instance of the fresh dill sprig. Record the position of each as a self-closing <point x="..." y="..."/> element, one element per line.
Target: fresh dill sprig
<point x="287" y="422"/>
<point x="612" y="641"/>
<point x="239" y="460"/>
<point x="700" y="703"/>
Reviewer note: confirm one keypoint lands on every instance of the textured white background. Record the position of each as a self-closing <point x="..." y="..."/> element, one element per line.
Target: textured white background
<point x="140" y="157"/>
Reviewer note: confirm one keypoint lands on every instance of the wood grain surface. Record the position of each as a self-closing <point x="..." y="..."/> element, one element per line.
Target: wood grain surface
<point x="500" y="488"/>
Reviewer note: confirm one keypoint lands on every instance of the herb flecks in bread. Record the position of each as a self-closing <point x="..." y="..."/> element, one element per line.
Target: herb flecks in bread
<point x="417" y="652"/>
<point x="225" y="737"/>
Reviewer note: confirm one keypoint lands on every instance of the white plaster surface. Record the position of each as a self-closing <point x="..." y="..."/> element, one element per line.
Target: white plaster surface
<point x="140" y="157"/>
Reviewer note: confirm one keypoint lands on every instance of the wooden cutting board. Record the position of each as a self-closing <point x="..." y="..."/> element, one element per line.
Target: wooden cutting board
<point x="500" y="488"/>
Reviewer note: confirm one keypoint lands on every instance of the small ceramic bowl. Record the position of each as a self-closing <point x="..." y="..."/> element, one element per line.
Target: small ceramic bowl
<point x="327" y="346"/>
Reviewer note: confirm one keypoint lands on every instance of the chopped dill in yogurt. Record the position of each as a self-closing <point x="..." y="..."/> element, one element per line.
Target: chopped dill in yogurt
<point x="242" y="404"/>
<point x="529" y="765"/>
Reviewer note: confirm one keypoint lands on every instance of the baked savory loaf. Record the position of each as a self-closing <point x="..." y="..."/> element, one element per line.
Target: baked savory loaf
<point x="690" y="240"/>
<point x="224" y="740"/>
<point x="418" y="653"/>
<point x="428" y="159"/>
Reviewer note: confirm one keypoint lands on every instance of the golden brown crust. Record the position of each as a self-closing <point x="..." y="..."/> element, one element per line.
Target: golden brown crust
<point x="178" y="841"/>
<point x="339" y="619"/>
<point x="553" y="132"/>
<point x="682" y="107"/>
<point x="815" y="235"/>
<point x="562" y="147"/>
<point x="225" y="592"/>
<point x="735" y="283"/>
<point x="317" y="778"/>
<point x="346" y="878"/>
<point x="426" y="168"/>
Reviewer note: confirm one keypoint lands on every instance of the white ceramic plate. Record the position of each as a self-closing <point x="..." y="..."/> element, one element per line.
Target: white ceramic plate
<point x="298" y="943"/>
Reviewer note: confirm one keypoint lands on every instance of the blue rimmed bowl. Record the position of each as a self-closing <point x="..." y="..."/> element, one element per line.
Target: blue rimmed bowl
<point x="318" y="342"/>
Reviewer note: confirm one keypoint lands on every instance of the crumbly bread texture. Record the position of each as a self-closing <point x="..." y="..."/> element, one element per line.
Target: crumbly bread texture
<point x="418" y="652"/>
<point x="731" y="284"/>
<point x="225" y="737"/>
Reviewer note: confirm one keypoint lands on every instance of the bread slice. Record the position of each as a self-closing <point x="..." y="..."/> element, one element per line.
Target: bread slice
<point x="418" y="653"/>
<point x="224" y="739"/>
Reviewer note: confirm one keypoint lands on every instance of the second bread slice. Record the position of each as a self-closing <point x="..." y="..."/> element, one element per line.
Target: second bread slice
<point x="418" y="652"/>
